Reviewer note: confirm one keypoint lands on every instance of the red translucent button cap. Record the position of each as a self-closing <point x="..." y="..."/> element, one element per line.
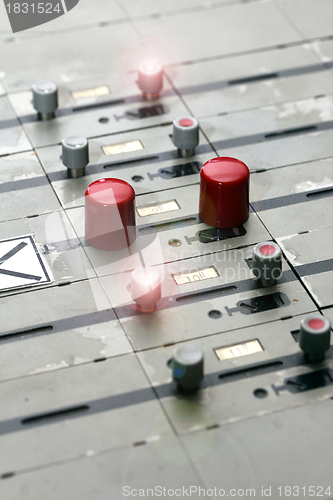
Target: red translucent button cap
<point x="224" y="192"/>
<point x="109" y="214"/>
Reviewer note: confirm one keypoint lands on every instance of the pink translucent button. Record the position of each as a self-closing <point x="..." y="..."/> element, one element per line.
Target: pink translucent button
<point x="146" y="288"/>
<point x="109" y="214"/>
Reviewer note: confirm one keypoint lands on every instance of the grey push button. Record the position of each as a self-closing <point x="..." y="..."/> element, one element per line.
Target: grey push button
<point x="75" y="155"/>
<point x="45" y="99"/>
<point x="267" y="263"/>
<point x="150" y="79"/>
<point x="187" y="367"/>
<point x="315" y="337"/>
<point x="185" y="135"/>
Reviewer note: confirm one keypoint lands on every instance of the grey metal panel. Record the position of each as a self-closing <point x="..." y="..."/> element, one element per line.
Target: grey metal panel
<point x="78" y="63"/>
<point x="313" y="246"/>
<point x="311" y="19"/>
<point x="190" y="321"/>
<point x="25" y="188"/>
<point x="81" y="336"/>
<point x="33" y="445"/>
<point x="12" y="139"/>
<point x="292" y="179"/>
<point x="111" y="474"/>
<point x="56" y="241"/>
<point x="243" y="82"/>
<point x="156" y="248"/>
<point x="292" y="219"/>
<point x="147" y="8"/>
<point x="245" y="27"/>
<point x="155" y="143"/>
<point x="84" y="17"/>
<point x="91" y="123"/>
<point x="239" y="457"/>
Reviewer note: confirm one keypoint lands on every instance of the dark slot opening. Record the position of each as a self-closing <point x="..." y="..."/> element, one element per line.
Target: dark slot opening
<point x="299" y="130"/>
<point x="7" y="475"/>
<point x="209" y="293"/>
<point x="251" y="369"/>
<point x="167" y="225"/>
<point x="54" y="414"/>
<point x="39" y="329"/>
<point x="140" y="443"/>
<point x="146" y="159"/>
<point x="250" y="79"/>
<point x="322" y="193"/>
<point x="99" y="105"/>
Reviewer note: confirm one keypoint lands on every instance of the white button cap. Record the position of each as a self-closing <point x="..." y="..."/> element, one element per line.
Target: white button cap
<point x="146" y="288"/>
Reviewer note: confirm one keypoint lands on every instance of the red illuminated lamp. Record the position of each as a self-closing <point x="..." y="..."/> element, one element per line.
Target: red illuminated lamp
<point x="150" y="78"/>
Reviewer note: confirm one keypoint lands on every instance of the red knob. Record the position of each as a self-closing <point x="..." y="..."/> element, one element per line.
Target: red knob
<point x="109" y="214"/>
<point x="224" y="192"/>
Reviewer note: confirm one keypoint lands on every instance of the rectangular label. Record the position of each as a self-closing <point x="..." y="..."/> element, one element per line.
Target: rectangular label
<point x="198" y="275"/>
<point x="237" y="350"/>
<point x="93" y="92"/>
<point x="167" y="206"/>
<point x="123" y="147"/>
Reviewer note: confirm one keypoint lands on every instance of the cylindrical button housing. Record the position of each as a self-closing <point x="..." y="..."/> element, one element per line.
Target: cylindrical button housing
<point x="109" y="214"/>
<point x="75" y="154"/>
<point x="185" y="135"/>
<point x="315" y="337"/>
<point x="267" y="262"/>
<point x="146" y="288"/>
<point x="45" y="96"/>
<point x="224" y="192"/>
<point x="150" y="78"/>
<point x="187" y="366"/>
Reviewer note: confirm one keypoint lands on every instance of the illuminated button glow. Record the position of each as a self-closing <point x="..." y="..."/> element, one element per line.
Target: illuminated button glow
<point x="146" y="288"/>
<point x="316" y="323"/>
<point x="267" y="249"/>
<point x="150" y="78"/>
<point x="186" y="122"/>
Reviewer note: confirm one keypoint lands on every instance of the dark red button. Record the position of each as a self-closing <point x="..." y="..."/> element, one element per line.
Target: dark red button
<point x="224" y="192"/>
<point x="109" y="214"/>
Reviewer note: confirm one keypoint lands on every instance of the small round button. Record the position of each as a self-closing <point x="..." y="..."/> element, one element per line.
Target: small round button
<point x="224" y="192"/>
<point x="150" y="78"/>
<point x="185" y="135"/>
<point x="75" y="155"/>
<point x="315" y="337"/>
<point x="109" y="214"/>
<point x="45" y="98"/>
<point x="187" y="366"/>
<point x="267" y="262"/>
<point x="146" y="288"/>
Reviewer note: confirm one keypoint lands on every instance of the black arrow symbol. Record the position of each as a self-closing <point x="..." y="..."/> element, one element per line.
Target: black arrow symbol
<point x="10" y="254"/>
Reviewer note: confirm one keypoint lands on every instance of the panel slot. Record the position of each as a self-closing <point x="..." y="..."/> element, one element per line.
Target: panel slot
<point x="54" y="414"/>
<point x="322" y="193"/>
<point x="253" y="79"/>
<point x="23" y="333"/>
<point x="216" y="292"/>
<point x="132" y="163"/>
<point x="299" y="130"/>
<point x="164" y="226"/>
<point x="251" y="369"/>
<point x="96" y="105"/>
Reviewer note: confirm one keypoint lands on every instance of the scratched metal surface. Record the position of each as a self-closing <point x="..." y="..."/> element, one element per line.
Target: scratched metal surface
<point x="88" y="407"/>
